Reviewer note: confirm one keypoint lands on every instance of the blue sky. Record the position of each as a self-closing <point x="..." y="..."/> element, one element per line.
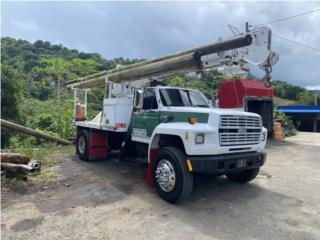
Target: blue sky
<point x="118" y="29"/>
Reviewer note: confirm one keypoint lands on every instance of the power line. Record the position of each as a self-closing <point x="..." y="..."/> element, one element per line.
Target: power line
<point x="290" y="17"/>
<point x="297" y="43"/>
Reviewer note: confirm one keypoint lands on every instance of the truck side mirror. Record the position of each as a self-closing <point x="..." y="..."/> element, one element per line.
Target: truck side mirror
<point x="138" y="99"/>
<point x="213" y="102"/>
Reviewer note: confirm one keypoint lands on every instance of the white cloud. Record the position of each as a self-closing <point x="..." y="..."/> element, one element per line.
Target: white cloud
<point x="117" y="29"/>
<point x="82" y="47"/>
<point x="29" y="26"/>
<point x="315" y="87"/>
<point x="96" y="10"/>
<point x="56" y="41"/>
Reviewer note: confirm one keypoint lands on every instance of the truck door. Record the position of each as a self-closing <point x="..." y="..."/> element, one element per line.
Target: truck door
<point x="145" y="121"/>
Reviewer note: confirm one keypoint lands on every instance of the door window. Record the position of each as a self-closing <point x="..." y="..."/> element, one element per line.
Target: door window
<point x="149" y="99"/>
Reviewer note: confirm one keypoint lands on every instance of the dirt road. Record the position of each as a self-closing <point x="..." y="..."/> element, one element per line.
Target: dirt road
<point x="109" y="200"/>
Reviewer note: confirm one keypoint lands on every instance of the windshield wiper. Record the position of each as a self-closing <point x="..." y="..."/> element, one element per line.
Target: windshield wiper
<point x="202" y="105"/>
<point x="175" y="105"/>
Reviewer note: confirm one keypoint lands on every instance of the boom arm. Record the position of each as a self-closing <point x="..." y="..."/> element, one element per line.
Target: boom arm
<point x="253" y="47"/>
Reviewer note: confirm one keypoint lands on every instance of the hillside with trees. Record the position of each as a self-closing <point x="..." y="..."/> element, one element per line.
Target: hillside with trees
<point x="33" y="72"/>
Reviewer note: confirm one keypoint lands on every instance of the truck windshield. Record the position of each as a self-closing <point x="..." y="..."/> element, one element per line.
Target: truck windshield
<point x="182" y="97"/>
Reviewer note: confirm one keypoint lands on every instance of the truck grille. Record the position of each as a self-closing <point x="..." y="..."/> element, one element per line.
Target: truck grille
<point x="239" y="130"/>
<point x="239" y="122"/>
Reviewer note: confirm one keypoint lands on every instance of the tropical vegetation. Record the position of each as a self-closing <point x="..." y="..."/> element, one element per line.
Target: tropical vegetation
<point x="32" y="75"/>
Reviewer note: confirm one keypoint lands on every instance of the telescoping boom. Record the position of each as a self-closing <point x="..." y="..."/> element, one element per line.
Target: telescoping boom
<point x="250" y="47"/>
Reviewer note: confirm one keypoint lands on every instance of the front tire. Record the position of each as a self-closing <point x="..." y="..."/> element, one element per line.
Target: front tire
<point x="243" y="176"/>
<point x="173" y="180"/>
<point x="83" y="145"/>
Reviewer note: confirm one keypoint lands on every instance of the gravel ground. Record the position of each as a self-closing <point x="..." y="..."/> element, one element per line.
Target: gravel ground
<point x="109" y="200"/>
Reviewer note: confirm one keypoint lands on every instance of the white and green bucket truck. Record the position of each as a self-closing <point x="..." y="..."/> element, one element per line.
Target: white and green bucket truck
<point x="176" y="130"/>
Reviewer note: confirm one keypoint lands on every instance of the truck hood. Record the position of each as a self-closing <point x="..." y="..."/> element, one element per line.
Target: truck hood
<point x="212" y="111"/>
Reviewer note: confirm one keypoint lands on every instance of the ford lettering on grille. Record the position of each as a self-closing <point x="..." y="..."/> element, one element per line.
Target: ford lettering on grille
<point x="242" y="130"/>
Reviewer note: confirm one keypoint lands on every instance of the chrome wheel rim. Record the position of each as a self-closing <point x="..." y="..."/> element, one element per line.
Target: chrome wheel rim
<point x="165" y="175"/>
<point x="82" y="145"/>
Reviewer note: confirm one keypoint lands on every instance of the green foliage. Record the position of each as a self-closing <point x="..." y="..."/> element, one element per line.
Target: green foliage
<point x="31" y="73"/>
<point x="51" y="116"/>
<point x="24" y="56"/>
<point x="11" y="91"/>
<point x="41" y="67"/>
<point x="286" y="90"/>
<point x="308" y="97"/>
<point x="282" y="117"/>
<point x="288" y="128"/>
<point x="95" y="101"/>
<point x="207" y="83"/>
<point x="176" y="81"/>
<point x="48" y="153"/>
<point x="41" y="64"/>
<point x="299" y="94"/>
<point x="51" y="72"/>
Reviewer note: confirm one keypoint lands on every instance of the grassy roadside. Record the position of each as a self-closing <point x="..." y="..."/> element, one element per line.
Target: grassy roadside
<point x="50" y="155"/>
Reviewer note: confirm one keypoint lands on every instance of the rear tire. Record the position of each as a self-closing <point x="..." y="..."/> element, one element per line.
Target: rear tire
<point x="243" y="176"/>
<point x="173" y="161"/>
<point x="83" y="145"/>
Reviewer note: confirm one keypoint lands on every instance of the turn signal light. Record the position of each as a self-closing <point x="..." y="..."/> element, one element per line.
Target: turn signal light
<point x="193" y="120"/>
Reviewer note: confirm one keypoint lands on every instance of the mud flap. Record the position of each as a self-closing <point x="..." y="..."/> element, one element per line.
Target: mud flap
<point x="152" y="155"/>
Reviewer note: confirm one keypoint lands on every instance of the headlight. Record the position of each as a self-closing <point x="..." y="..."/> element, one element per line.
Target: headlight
<point x="263" y="136"/>
<point x="199" y="138"/>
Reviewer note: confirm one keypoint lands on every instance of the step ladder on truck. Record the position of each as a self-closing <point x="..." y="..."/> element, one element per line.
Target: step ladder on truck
<point x="176" y="130"/>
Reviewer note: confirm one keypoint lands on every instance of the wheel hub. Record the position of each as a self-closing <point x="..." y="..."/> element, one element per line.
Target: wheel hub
<point x="165" y="175"/>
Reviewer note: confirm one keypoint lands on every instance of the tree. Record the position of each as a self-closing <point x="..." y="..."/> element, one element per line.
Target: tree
<point x="10" y="96"/>
<point x="286" y="90"/>
<point x="206" y="82"/>
<point x="53" y="71"/>
<point x="307" y="97"/>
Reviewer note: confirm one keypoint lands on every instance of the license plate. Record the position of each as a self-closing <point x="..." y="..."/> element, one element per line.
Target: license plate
<point x="241" y="163"/>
